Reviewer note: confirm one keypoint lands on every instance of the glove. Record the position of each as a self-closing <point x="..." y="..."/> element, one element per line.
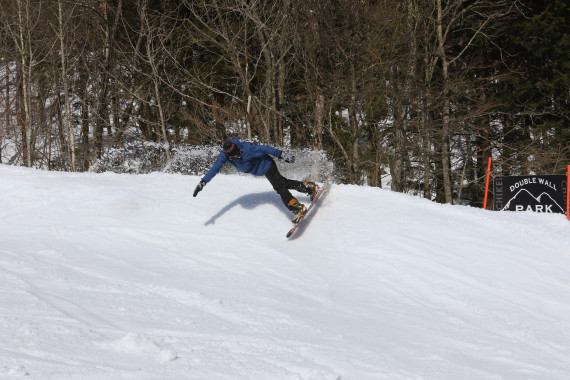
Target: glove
<point x="287" y="157"/>
<point x="199" y="187"/>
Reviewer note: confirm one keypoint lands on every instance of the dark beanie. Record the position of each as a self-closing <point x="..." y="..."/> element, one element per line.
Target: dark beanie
<point x="230" y="148"/>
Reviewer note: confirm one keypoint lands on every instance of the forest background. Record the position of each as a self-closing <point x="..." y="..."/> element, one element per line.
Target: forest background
<point x="425" y="90"/>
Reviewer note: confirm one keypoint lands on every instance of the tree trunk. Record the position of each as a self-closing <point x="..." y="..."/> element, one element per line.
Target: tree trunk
<point x="426" y="151"/>
<point x="102" y="109"/>
<point x="319" y="120"/>
<point x="25" y="70"/>
<point x="83" y="83"/>
<point x="353" y="121"/>
<point x="7" y="107"/>
<point x="64" y="79"/>
<point x="150" y="51"/>
<point x="445" y="154"/>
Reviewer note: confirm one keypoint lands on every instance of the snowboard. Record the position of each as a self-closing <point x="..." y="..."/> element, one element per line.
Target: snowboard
<point x="313" y="203"/>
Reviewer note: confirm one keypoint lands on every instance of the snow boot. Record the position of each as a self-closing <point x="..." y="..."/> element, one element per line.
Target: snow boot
<point x="298" y="209"/>
<point x="311" y="188"/>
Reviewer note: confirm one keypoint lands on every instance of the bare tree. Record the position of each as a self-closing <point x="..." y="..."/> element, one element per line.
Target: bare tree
<point x="109" y="29"/>
<point x="250" y="43"/>
<point x="152" y="31"/>
<point x="5" y="94"/>
<point x="19" y="29"/>
<point x="451" y="17"/>
<point x="221" y="35"/>
<point x="63" y="51"/>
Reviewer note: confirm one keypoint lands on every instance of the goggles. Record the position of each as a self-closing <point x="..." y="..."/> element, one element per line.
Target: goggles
<point x="236" y="156"/>
<point x="232" y="151"/>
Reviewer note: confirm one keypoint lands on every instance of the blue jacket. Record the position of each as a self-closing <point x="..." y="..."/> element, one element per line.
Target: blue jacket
<point x="255" y="160"/>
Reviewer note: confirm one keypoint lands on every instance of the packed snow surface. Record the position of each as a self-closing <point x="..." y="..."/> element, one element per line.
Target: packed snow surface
<point x="107" y="276"/>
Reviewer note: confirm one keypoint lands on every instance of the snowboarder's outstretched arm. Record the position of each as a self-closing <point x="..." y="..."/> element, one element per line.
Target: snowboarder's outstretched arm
<point x="216" y="167"/>
<point x="218" y="164"/>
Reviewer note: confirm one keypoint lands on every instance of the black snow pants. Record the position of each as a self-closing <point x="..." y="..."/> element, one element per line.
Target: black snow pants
<point x="282" y="184"/>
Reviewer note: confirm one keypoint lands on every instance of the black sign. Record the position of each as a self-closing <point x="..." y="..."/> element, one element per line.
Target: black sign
<point x="539" y="193"/>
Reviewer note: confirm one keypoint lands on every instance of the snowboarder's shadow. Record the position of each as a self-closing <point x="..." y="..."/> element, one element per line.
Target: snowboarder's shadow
<point x="250" y="202"/>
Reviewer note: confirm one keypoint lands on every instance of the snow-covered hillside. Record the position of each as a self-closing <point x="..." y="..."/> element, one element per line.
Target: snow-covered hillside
<point x="106" y="276"/>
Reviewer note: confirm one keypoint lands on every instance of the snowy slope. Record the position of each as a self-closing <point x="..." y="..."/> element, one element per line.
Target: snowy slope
<point x="106" y="276"/>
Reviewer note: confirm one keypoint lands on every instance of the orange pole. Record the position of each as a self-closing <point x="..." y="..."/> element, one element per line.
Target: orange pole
<point x="568" y="193"/>
<point x="487" y="185"/>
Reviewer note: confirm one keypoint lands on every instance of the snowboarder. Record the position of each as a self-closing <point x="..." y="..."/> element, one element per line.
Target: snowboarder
<point x="256" y="159"/>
